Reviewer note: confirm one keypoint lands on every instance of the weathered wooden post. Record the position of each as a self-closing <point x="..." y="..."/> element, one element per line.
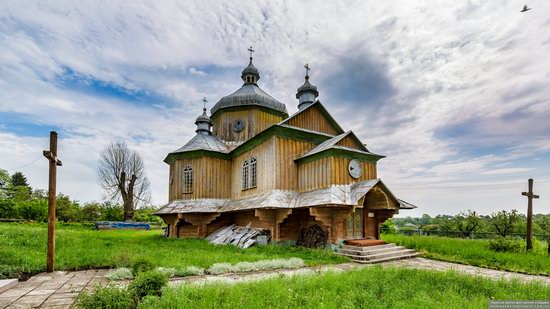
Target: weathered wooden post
<point x="51" y="155"/>
<point x="530" y="197"/>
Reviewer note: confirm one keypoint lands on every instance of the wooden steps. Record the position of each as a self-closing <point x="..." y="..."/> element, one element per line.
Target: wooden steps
<point x="377" y="254"/>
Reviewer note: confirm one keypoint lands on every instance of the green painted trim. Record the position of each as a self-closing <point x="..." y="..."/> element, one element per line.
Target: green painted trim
<point x="248" y="107"/>
<point x="342" y="153"/>
<point x="281" y="131"/>
<point x="172" y="157"/>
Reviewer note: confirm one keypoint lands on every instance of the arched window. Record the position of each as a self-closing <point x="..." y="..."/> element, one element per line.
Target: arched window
<point x="188" y="179"/>
<point x="244" y="180"/>
<point x="253" y="172"/>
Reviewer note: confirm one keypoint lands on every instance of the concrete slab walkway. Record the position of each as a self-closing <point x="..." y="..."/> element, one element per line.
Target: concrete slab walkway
<point x="60" y="289"/>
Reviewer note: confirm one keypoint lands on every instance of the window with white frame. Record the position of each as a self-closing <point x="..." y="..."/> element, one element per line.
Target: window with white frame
<point x="188" y="179"/>
<point x="253" y="173"/>
<point x="244" y="179"/>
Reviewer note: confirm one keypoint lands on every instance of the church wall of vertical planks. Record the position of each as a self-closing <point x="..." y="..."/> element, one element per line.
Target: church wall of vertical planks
<point x="251" y="162"/>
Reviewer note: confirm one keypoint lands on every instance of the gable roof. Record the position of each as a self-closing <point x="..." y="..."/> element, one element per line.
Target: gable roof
<point x="332" y="144"/>
<point x="204" y="143"/>
<point x="323" y="111"/>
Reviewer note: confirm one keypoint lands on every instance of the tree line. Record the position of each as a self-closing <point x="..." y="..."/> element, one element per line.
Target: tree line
<point x="502" y="223"/>
<point x="18" y="200"/>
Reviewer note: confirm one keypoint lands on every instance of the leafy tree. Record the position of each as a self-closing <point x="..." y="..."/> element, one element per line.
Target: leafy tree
<point x="19" y="193"/>
<point x="146" y="214"/>
<point x="111" y="212"/>
<point x="66" y="210"/>
<point x="7" y="209"/>
<point x="18" y="179"/>
<point x="5" y="183"/>
<point x="466" y="222"/>
<point x="425" y="220"/>
<point x="504" y="222"/>
<point x="544" y="223"/>
<point x="91" y="212"/>
<point x="36" y="210"/>
<point x="39" y="194"/>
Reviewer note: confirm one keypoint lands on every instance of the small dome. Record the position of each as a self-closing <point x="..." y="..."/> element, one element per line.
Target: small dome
<point x="203" y="118"/>
<point x="250" y="70"/>
<point x="307" y="86"/>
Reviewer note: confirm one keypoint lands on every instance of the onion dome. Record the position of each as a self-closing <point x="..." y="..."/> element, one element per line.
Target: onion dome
<point x="307" y="93"/>
<point x="204" y="123"/>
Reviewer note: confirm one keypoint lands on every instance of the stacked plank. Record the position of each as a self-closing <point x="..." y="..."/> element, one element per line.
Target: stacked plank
<point x="240" y="236"/>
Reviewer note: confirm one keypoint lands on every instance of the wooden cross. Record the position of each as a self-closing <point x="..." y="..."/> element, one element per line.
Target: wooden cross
<point x="307" y="69"/>
<point x="251" y="51"/>
<point x="51" y="155"/>
<point x="530" y="196"/>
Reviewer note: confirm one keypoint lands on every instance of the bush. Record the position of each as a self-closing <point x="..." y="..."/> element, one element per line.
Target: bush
<point x="7" y="209"/>
<point x="190" y="271"/>
<point x="109" y="296"/>
<point x="506" y="244"/>
<point x="141" y="265"/>
<point x="168" y="271"/>
<point x="36" y="210"/>
<point x="147" y="284"/>
<point x="121" y="273"/>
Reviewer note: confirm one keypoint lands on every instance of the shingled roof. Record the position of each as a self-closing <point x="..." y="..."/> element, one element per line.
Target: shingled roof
<point x="336" y="195"/>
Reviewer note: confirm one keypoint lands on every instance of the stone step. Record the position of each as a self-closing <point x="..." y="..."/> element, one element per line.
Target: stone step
<point x="395" y="253"/>
<point x="368" y="248"/>
<point x="6" y="284"/>
<point x="395" y="258"/>
<point x="371" y="252"/>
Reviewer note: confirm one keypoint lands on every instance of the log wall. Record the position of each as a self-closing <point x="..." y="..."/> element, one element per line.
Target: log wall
<point x="265" y="156"/>
<point x="255" y="121"/>
<point x="286" y="173"/>
<point x="330" y="171"/>
<point x="312" y="119"/>
<point x="210" y="178"/>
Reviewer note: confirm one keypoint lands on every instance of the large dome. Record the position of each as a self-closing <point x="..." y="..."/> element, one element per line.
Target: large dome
<point x="249" y="95"/>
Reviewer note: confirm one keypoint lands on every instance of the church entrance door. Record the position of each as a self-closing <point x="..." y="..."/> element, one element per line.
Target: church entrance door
<point x="354" y="224"/>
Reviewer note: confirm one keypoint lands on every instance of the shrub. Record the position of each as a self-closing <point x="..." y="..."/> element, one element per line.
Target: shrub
<point x="190" y="271"/>
<point x="109" y="296"/>
<point x="221" y="268"/>
<point x="141" y="265"/>
<point x="36" y="210"/>
<point x="170" y="272"/>
<point x="148" y="283"/>
<point x="121" y="273"/>
<point x="505" y="244"/>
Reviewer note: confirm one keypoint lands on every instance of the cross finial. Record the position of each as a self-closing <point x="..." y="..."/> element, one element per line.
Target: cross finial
<point x="204" y="103"/>
<point x="251" y="51"/>
<point x="307" y="70"/>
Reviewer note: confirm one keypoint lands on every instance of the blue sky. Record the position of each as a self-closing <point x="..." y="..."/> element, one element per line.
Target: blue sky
<point x="455" y="94"/>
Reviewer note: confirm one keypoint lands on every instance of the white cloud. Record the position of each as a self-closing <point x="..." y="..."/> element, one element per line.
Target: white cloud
<point x="466" y="77"/>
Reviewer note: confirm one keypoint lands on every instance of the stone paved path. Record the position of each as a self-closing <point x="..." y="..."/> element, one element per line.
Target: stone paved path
<point x="60" y="289"/>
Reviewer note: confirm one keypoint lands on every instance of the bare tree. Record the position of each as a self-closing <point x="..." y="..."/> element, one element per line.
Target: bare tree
<point x="121" y="173"/>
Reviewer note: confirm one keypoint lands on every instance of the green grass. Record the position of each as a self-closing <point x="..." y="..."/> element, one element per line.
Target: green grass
<point x="23" y="250"/>
<point x="475" y="252"/>
<point x="372" y="287"/>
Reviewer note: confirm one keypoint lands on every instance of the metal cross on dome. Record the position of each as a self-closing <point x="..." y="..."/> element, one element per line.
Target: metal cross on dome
<point x="204" y="103"/>
<point x="307" y="69"/>
<point x="251" y="51"/>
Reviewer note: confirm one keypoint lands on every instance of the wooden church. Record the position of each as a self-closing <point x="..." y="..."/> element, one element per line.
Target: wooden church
<point x="250" y="162"/>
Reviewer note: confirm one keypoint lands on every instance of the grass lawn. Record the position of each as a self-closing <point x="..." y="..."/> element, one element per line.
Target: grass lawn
<point x="23" y="250"/>
<point x="372" y="287"/>
<point x="475" y="252"/>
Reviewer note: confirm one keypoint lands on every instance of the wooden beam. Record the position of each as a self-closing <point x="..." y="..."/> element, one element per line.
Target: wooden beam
<point x="54" y="162"/>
